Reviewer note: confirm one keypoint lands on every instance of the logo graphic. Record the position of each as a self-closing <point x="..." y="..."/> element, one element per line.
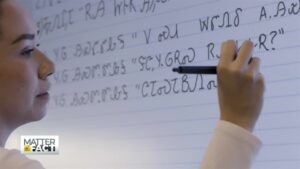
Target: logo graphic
<point x="27" y="148"/>
<point x="39" y="144"/>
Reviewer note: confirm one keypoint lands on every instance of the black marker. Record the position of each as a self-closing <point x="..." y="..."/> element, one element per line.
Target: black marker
<point x="196" y="69"/>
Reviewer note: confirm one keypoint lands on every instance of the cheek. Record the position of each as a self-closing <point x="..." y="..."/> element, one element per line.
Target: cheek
<point x="28" y="85"/>
<point x="18" y="88"/>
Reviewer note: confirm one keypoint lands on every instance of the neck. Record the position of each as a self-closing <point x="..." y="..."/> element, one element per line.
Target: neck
<point x="5" y="131"/>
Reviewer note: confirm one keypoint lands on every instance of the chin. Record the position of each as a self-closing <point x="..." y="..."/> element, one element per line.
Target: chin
<point x="39" y="116"/>
<point x="36" y="115"/>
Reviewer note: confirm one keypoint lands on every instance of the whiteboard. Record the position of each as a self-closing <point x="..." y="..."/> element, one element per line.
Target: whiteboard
<point x="116" y="104"/>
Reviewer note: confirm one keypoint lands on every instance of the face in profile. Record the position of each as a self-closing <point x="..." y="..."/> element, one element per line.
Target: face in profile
<point x="23" y="68"/>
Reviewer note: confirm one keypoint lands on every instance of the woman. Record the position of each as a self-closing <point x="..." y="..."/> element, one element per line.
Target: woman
<point x="24" y="93"/>
<point x="23" y="79"/>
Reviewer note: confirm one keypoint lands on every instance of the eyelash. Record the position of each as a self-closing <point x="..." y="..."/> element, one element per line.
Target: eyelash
<point x="27" y="52"/>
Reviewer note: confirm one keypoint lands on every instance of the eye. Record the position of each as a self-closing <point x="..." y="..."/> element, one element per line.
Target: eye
<point x="27" y="52"/>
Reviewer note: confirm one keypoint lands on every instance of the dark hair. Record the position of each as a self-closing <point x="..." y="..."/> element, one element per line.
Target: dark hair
<point x="1" y="12"/>
<point x="1" y="17"/>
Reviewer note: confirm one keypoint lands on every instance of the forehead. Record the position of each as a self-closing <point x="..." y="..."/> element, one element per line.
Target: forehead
<point x="15" y="20"/>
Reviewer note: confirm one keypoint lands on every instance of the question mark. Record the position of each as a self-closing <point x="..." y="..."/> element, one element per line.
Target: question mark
<point x="274" y="35"/>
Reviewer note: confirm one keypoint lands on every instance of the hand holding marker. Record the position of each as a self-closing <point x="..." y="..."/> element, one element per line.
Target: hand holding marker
<point x="197" y="69"/>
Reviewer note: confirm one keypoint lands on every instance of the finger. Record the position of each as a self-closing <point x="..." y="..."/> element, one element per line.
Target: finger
<point x="244" y="55"/>
<point x="261" y="81"/>
<point x="228" y="52"/>
<point x="254" y="66"/>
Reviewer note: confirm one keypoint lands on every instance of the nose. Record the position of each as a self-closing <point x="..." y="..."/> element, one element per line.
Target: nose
<point x="46" y="66"/>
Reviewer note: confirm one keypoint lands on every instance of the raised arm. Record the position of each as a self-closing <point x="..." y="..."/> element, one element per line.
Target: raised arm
<point x="240" y="91"/>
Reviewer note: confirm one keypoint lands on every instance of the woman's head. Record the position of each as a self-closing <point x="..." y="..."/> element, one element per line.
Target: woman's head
<point x="23" y="68"/>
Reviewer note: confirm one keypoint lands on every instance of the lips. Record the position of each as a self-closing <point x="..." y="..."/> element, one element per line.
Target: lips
<point x="42" y="94"/>
<point x="44" y="89"/>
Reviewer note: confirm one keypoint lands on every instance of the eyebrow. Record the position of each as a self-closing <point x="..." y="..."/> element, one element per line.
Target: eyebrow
<point x="23" y="37"/>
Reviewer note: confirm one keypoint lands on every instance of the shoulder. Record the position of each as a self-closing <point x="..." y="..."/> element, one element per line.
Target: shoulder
<point x="13" y="159"/>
